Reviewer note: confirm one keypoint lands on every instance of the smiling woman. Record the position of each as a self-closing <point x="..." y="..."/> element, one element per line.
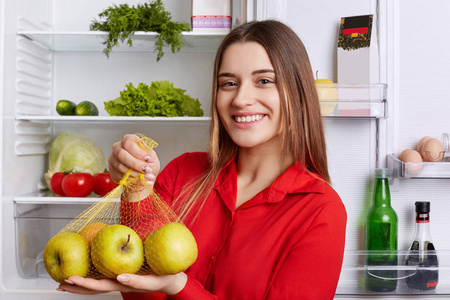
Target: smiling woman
<point x="258" y="203"/>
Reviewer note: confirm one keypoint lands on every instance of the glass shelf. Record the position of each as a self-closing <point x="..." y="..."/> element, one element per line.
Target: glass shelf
<point x="106" y="119"/>
<point x="142" y="41"/>
<point x="354" y="269"/>
<point x="44" y="197"/>
<point x="424" y="170"/>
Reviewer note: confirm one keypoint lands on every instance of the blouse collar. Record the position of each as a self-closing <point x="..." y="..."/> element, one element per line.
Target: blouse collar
<point x="296" y="179"/>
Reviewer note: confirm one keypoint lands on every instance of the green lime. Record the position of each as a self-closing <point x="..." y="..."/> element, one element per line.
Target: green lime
<point x="65" y="108"/>
<point x="86" y="108"/>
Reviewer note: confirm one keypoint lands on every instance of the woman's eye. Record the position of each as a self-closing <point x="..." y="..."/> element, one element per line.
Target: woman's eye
<point x="264" y="81"/>
<point x="227" y="83"/>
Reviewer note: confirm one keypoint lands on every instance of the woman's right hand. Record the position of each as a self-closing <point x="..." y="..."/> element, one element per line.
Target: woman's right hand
<point x="126" y="154"/>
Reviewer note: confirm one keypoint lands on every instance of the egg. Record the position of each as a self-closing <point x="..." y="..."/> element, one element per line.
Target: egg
<point x="432" y="150"/>
<point x="422" y="142"/>
<point x="412" y="160"/>
<point x="402" y="155"/>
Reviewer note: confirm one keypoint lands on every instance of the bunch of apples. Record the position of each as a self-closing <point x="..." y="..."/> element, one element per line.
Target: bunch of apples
<point x="99" y="250"/>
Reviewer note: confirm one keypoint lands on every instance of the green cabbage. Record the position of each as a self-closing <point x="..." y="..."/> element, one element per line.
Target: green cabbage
<point x="73" y="152"/>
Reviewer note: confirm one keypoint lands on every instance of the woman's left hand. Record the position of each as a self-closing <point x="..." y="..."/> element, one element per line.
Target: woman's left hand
<point x="169" y="284"/>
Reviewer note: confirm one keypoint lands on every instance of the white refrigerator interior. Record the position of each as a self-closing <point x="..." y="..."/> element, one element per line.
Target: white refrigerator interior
<point x="47" y="53"/>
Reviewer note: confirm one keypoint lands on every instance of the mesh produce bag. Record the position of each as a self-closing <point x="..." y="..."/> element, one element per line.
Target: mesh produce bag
<point x="138" y="234"/>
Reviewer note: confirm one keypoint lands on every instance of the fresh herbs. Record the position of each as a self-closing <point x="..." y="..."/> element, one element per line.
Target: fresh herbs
<point x="122" y="21"/>
<point x="161" y="98"/>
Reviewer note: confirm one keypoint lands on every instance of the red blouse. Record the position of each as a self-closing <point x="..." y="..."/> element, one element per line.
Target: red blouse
<point x="285" y="243"/>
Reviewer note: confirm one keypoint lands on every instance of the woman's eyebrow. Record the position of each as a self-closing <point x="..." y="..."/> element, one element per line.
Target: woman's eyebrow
<point x="260" y="71"/>
<point x="226" y="74"/>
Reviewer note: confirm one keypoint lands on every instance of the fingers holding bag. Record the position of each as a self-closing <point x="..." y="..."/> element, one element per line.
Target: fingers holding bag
<point x="130" y="153"/>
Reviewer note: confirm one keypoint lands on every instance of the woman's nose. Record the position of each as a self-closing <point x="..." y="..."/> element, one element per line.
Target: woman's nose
<point x="244" y="96"/>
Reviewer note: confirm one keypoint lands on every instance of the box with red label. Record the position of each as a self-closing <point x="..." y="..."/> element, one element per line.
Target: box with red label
<point x="357" y="59"/>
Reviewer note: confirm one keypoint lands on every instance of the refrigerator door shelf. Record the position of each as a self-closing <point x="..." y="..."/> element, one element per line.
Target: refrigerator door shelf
<point x="353" y="100"/>
<point x="423" y="170"/>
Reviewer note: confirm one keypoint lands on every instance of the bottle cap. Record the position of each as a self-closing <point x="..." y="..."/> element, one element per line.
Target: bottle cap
<point x="423" y="207"/>
<point x="381" y="173"/>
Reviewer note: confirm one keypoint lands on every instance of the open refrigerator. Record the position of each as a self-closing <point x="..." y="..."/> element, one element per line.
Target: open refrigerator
<point x="47" y="53"/>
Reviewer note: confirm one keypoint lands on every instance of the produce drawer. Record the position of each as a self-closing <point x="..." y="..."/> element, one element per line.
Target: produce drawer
<point x="354" y="269"/>
<point x="35" y="223"/>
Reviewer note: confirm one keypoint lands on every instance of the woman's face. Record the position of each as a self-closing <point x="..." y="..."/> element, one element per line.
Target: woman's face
<point x="248" y="102"/>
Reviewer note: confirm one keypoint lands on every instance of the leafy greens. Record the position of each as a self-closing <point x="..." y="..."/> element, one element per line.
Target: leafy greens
<point x="74" y="152"/>
<point x="122" y="21"/>
<point x="161" y="98"/>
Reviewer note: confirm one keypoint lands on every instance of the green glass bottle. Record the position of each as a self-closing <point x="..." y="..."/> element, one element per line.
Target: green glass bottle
<point x="381" y="234"/>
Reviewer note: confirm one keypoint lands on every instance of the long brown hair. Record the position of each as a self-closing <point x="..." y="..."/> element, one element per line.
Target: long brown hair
<point x="302" y="133"/>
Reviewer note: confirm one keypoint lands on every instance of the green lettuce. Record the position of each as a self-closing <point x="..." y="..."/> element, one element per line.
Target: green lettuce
<point x="161" y="98"/>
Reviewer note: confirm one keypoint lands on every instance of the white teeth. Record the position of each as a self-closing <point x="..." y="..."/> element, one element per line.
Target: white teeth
<point x="248" y="119"/>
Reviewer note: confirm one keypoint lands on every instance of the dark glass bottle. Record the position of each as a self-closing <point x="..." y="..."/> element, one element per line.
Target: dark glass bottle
<point x="381" y="234"/>
<point x="422" y="253"/>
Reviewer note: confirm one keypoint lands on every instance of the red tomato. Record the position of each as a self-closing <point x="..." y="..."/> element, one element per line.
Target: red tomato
<point x="78" y="184"/>
<point x="56" y="183"/>
<point x="103" y="184"/>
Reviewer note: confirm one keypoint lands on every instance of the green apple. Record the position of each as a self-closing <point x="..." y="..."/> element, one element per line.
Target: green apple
<point x="327" y="92"/>
<point x="117" y="249"/>
<point x="170" y="249"/>
<point x="90" y="230"/>
<point x="66" y="254"/>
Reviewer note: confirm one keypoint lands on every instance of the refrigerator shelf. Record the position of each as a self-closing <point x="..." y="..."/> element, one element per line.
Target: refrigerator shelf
<point x="424" y="170"/>
<point x="47" y="197"/>
<point x="102" y="119"/>
<point x="60" y="41"/>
